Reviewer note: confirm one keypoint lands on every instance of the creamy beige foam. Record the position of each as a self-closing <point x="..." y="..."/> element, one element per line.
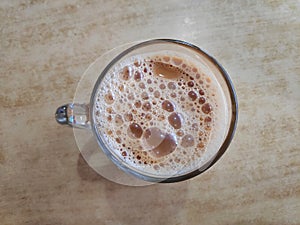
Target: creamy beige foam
<point x="163" y="114"/>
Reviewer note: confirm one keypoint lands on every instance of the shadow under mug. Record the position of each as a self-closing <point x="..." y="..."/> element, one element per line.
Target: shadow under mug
<point x="81" y="115"/>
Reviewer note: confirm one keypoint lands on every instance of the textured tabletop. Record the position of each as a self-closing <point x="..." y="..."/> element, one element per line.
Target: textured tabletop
<point x="45" y="47"/>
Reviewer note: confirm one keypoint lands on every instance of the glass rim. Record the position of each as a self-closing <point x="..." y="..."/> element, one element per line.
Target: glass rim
<point x="229" y="135"/>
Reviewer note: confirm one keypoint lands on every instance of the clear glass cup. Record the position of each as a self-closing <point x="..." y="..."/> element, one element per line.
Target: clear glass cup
<point x="80" y="114"/>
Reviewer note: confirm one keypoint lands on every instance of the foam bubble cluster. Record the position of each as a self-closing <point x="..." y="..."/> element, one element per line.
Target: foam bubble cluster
<point x="156" y="112"/>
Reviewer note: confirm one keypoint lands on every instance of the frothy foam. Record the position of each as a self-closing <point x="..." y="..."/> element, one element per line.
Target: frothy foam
<point x="161" y="113"/>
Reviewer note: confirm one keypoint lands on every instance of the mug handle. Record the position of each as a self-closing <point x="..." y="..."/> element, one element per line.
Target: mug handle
<point x="75" y="115"/>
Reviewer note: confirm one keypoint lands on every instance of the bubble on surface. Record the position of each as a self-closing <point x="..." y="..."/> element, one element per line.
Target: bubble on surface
<point x="171" y="85"/>
<point x="167" y="106"/>
<point x="146" y="106"/>
<point x="118" y="140"/>
<point x="166" y="70"/>
<point x="138" y="104"/>
<point x="118" y="119"/>
<point x="152" y="138"/>
<point x="138" y="76"/>
<point x="166" y="58"/>
<point x="190" y="84"/>
<point x="156" y="94"/>
<point x="207" y="119"/>
<point x="180" y="133"/>
<point x="187" y="141"/>
<point x="206" y="108"/>
<point x="145" y="95"/>
<point x="201" y="92"/>
<point x="127" y="73"/>
<point x="109" y="98"/>
<point x="192" y="95"/>
<point x="142" y="85"/>
<point x="134" y="131"/>
<point x="202" y="100"/>
<point x="130" y="96"/>
<point x="175" y="120"/>
<point x="167" y="146"/>
<point x="177" y="61"/>
<point x="128" y="116"/>
<point x="162" y="86"/>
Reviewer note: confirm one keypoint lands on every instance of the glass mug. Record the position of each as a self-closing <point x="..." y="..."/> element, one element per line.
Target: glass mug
<point x="162" y="110"/>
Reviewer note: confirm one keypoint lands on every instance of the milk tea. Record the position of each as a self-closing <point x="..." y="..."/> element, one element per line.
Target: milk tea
<point x="160" y="113"/>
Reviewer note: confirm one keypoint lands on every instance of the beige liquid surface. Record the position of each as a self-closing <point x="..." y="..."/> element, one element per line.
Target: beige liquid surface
<point x="162" y="114"/>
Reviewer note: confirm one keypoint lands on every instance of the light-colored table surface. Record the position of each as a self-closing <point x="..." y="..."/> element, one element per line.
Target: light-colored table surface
<point x="45" y="47"/>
